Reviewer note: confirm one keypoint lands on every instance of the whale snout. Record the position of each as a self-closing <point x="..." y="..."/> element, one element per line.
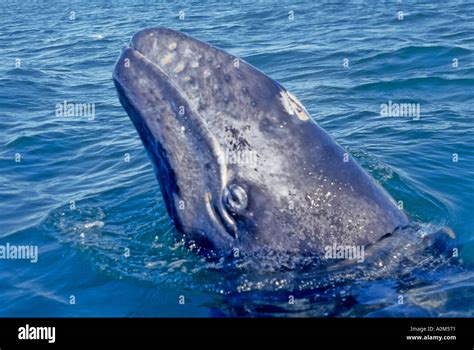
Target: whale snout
<point x="178" y="57"/>
<point x="153" y="42"/>
<point x="152" y="47"/>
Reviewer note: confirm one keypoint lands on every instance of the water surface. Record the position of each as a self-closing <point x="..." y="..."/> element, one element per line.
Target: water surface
<point x="100" y="223"/>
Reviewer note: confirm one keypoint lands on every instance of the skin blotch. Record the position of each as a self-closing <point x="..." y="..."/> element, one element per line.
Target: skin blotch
<point x="293" y="106"/>
<point x="172" y="46"/>
<point x="167" y="59"/>
<point x="179" y="68"/>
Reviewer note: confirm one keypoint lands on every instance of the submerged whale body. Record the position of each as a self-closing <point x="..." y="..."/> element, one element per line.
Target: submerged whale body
<point x="241" y="164"/>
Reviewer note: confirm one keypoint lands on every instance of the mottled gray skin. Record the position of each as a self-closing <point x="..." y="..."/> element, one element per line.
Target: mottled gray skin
<point x="191" y="103"/>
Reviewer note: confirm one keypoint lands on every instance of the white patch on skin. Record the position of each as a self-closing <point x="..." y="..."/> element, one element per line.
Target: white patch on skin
<point x="179" y="68"/>
<point x="167" y="59"/>
<point x="293" y="106"/>
<point x="172" y="46"/>
<point x="286" y="103"/>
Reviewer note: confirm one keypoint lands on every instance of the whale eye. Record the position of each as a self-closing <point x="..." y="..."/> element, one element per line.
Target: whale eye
<point x="235" y="198"/>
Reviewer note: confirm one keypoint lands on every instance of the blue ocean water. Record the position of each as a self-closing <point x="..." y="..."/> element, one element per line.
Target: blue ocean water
<point x="83" y="190"/>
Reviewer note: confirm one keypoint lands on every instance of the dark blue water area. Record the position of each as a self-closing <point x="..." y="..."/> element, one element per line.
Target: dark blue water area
<point x="106" y="244"/>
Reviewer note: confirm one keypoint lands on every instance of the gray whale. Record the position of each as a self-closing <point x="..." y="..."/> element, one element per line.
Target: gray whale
<point x="241" y="165"/>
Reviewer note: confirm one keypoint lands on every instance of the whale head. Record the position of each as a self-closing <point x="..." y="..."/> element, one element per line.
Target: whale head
<point x="241" y="164"/>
